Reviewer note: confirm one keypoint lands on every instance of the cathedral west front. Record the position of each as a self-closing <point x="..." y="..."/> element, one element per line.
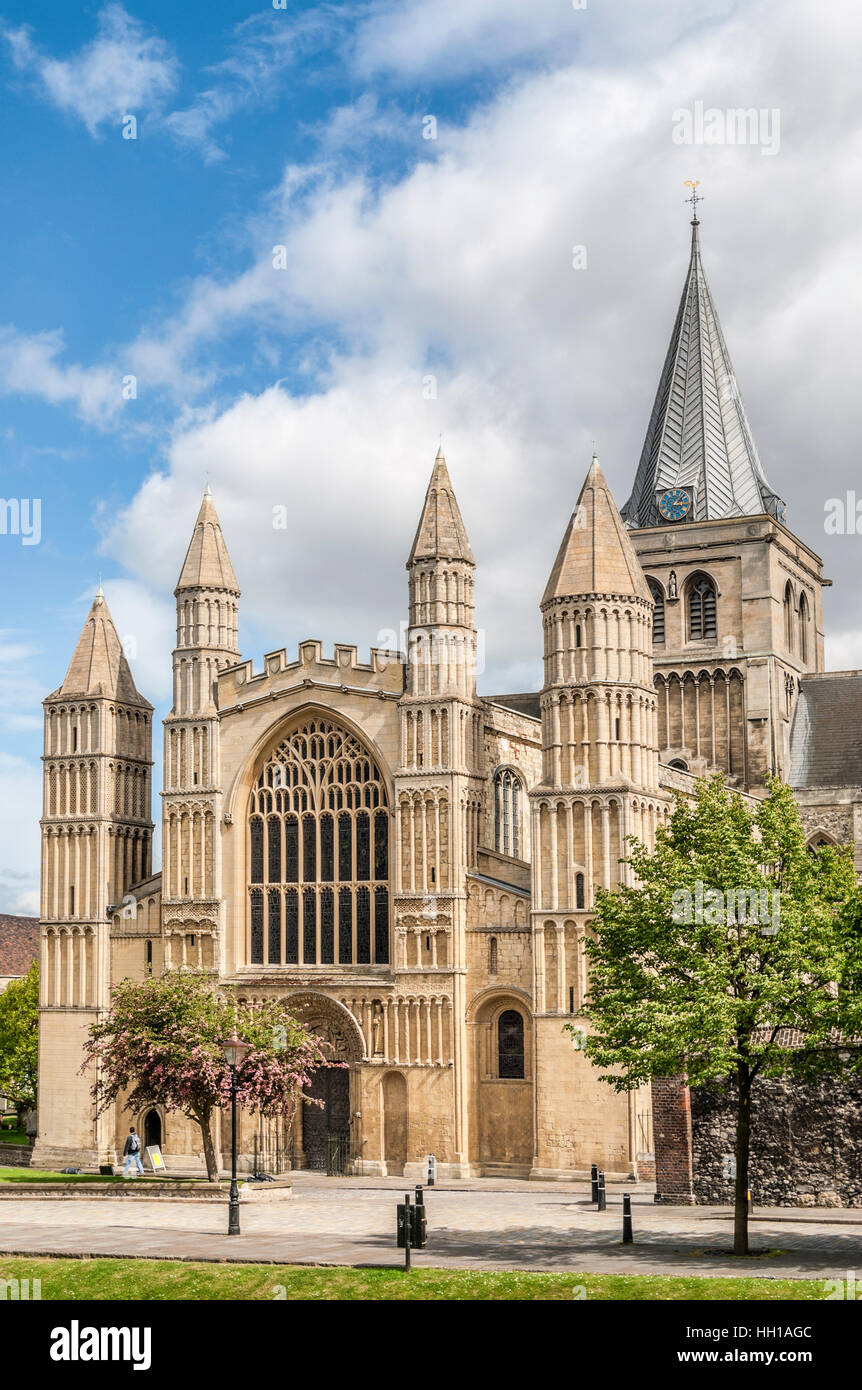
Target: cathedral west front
<point x="414" y="862"/>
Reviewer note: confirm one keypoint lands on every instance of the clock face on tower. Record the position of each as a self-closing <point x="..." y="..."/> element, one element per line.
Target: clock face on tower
<point x="675" y="503"/>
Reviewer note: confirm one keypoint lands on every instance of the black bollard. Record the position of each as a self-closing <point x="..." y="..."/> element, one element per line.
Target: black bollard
<point x="420" y="1196"/>
<point x="602" y="1198"/>
<point x="628" y="1238"/>
<point x="594" y="1183"/>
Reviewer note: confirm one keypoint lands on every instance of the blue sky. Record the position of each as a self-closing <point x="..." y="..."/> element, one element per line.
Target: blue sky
<point x="427" y="287"/>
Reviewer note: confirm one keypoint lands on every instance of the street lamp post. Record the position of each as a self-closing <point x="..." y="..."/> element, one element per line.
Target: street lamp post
<point x="234" y="1051"/>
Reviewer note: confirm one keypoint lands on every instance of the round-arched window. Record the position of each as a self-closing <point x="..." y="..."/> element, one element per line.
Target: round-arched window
<point x="510" y="1045"/>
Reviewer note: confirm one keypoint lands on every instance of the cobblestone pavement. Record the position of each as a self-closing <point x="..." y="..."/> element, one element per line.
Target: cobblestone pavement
<point x="479" y="1224"/>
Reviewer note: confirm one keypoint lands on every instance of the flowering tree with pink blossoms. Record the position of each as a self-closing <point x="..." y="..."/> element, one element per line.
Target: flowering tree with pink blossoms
<point x="161" y="1044"/>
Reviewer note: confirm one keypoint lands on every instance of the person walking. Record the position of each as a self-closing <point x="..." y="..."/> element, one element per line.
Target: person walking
<point x="132" y="1155"/>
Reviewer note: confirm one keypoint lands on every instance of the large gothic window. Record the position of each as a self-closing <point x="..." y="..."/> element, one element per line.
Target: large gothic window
<point x="658" y="610"/>
<point x="318" y="853"/>
<point x="702" y="624"/>
<point x="507" y="812"/>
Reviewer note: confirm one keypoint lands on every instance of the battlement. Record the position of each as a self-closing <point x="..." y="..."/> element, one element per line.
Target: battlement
<point x="384" y="671"/>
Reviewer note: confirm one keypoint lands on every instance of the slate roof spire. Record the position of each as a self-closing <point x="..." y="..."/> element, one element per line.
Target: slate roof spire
<point x="441" y="533"/>
<point x="207" y="564"/>
<point x="596" y="555"/>
<point x="99" y="665"/>
<point x="698" y="435"/>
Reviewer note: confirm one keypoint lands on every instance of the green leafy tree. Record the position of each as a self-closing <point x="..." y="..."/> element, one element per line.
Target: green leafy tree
<point x="19" y="1039"/>
<point x="733" y="955"/>
<point x="161" y="1044"/>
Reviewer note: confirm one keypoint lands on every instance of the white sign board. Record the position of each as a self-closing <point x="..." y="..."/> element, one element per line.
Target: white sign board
<point x="154" y="1154"/>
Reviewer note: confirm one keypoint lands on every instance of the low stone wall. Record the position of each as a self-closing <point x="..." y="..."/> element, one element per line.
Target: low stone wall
<point x="15" y="1155"/>
<point x="806" y="1145"/>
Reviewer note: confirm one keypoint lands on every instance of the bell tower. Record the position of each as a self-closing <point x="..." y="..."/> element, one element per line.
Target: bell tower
<point x="599" y="785"/>
<point x="207" y="597"/>
<point x="439" y="782"/>
<point x="96" y="845"/>
<point x="738" y="608"/>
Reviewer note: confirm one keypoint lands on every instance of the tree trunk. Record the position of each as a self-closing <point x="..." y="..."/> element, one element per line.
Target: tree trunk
<point x="209" y="1148"/>
<point x="743" y="1146"/>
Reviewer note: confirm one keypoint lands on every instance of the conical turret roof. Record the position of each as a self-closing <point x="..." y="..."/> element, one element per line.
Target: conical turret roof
<point x="699" y="436"/>
<point x="441" y="533"/>
<point x="99" y="665"/>
<point x="597" y="555"/>
<point x="207" y="564"/>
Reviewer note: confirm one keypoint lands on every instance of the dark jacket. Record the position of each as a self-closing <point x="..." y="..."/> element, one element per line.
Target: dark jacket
<point x="132" y="1145"/>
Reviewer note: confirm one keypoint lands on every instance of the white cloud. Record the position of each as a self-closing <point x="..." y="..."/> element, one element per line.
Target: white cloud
<point x="123" y="70"/>
<point x="20" y="691"/>
<point x="20" y="809"/>
<point x="262" y="49"/>
<point x="29" y="365"/>
<point x="462" y="269"/>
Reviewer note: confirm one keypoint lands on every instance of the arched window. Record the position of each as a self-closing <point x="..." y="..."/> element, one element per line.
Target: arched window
<point x="658" y="610"/>
<point x="580" y="892"/>
<point x="803" y="629"/>
<point x="679" y="764"/>
<point x="788" y="616"/>
<point x="507" y="812"/>
<point x="492" y="956"/>
<point x="578" y="642"/>
<point x="319" y="891"/>
<point x="702" y="626"/>
<point x="510" y="1046"/>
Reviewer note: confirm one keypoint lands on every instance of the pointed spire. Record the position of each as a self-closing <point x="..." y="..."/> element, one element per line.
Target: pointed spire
<point x="597" y="555"/>
<point x="699" y="437"/>
<point x="441" y="533"/>
<point x="99" y="665"/>
<point x="207" y="564"/>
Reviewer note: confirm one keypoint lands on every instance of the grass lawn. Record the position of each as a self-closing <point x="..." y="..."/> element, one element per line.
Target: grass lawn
<point x="157" y="1280"/>
<point x="13" y="1136"/>
<point x="43" y="1175"/>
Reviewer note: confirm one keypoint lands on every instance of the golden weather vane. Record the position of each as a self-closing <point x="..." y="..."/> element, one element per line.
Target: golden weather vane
<point x="694" y="185"/>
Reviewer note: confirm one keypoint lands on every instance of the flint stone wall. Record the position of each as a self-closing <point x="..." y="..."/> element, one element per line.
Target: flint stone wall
<point x="806" y="1143"/>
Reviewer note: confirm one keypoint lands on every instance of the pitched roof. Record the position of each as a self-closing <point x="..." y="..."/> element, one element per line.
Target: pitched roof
<point x="528" y="704"/>
<point x="441" y="533"/>
<point x="826" y="733"/>
<point x="207" y="564"/>
<point x="597" y="555"/>
<point x="19" y="944"/>
<point x="698" y="435"/>
<point x="99" y="665"/>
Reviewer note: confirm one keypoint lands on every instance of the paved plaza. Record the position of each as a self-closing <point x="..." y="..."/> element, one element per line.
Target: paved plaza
<point x="481" y="1224"/>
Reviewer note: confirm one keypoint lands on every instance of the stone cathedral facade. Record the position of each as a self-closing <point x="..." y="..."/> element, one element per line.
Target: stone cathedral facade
<point x="412" y="862"/>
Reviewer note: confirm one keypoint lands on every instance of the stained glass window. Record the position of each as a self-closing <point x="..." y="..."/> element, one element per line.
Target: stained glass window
<point x="257" y="927"/>
<point x="274" y="846"/>
<point x="363" y="926"/>
<point x="510" y="1045"/>
<point x="327" y="926"/>
<point x="325" y="805"/>
<point x="381" y="926"/>
<point x="257" y="850"/>
<point x="274" y="897"/>
<point x="309" y="926"/>
<point x="291" y="927"/>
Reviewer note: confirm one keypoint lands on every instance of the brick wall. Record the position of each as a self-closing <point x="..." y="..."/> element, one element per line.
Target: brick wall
<point x="671" y="1103"/>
